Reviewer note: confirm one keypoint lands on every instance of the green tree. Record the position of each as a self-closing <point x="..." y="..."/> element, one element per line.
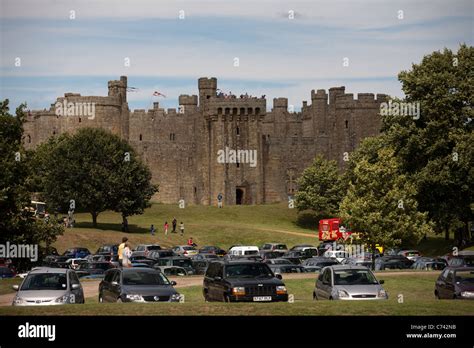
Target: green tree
<point x="93" y="171"/>
<point x="433" y="149"/>
<point x="320" y="188"/>
<point x="380" y="203"/>
<point x="17" y="225"/>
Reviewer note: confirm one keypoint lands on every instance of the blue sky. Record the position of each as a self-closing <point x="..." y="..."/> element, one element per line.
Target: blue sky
<point x="279" y="56"/>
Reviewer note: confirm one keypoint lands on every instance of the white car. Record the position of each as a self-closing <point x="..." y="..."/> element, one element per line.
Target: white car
<point x="185" y="250"/>
<point x="244" y="251"/>
<point x="339" y="255"/>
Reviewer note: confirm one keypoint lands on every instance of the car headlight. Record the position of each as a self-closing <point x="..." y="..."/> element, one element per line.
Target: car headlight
<point x="238" y="291"/>
<point x="342" y="293"/>
<point x="18" y="301"/>
<point x="467" y="294"/>
<point x="175" y="297"/>
<point x="281" y="290"/>
<point x="382" y="293"/>
<point x="135" y="297"/>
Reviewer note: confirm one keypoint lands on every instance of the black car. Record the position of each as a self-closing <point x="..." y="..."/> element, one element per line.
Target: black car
<point x="455" y="283"/>
<point x="295" y="257"/>
<point x="136" y="285"/>
<point x="77" y="253"/>
<point x="210" y="249"/>
<point x="242" y="281"/>
<point x="201" y="261"/>
<point x="56" y="261"/>
<point x="266" y="255"/>
<point x="95" y="269"/>
<point x="301" y="247"/>
<point x="462" y="261"/>
<point x="143" y="259"/>
<point x="392" y="262"/>
<point x="158" y="254"/>
<point x="177" y="261"/>
<point x="317" y="263"/>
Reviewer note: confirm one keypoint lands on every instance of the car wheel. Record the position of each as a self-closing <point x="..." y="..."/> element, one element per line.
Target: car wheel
<point x="315" y="297"/>
<point x="437" y="295"/>
<point x="226" y="298"/>
<point x="206" y="296"/>
<point x="101" y="300"/>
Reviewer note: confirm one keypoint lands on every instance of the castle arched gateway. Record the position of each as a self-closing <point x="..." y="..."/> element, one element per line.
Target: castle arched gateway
<point x="215" y="144"/>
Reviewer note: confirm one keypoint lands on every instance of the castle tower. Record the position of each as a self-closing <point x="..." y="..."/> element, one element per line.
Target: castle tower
<point x="119" y="88"/>
<point x="207" y="89"/>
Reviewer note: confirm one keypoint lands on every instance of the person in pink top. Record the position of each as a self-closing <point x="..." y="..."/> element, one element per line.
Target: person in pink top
<point x="166" y="228"/>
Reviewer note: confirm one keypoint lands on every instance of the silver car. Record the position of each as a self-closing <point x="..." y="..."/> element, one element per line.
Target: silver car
<point x="49" y="286"/>
<point x="346" y="282"/>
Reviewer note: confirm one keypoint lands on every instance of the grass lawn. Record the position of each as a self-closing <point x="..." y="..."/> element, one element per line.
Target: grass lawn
<point x="417" y="291"/>
<point x="248" y="225"/>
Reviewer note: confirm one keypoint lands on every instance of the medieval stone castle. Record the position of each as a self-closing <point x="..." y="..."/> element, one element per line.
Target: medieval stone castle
<point x="181" y="146"/>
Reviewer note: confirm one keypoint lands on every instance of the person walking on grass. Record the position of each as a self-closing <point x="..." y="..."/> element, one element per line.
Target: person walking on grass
<point x="152" y="230"/>
<point x="166" y="228"/>
<point x="120" y="250"/>
<point x="174" y="223"/>
<point x="181" y="227"/>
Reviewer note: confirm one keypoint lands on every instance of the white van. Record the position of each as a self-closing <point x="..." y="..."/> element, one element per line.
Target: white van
<point x="244" y="251"/>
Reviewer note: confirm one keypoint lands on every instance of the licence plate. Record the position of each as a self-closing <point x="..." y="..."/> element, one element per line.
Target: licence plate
<point x="262" y="298"/>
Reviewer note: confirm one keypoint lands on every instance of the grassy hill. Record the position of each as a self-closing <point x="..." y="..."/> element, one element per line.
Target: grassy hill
<point x="249" y="225"/>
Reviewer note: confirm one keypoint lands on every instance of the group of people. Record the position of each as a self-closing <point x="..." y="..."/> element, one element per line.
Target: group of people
<point x="174" y="223"/>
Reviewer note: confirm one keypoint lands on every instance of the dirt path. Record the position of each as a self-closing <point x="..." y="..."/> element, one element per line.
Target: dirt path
<point x="91" y="287"/>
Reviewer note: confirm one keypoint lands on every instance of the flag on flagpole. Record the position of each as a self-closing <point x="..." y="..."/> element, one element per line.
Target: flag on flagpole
<point x="132" y="89"/>
<point x="158" y="94"/>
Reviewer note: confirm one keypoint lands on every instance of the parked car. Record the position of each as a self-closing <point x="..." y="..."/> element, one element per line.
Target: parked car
<point x="75" y="263"/>
<point x="344" y="282"/>
<point x="145" y="249"/>
<point x="295" y="257"/>
<point x="204" y="257"/>
<point x="365" y="261"/>
<point x="6" y="272"/>
<point x="185" y="250"/>
<point x="76" y="253"/>
<point x="56" y="261"/>
<point x="243" y="251"/>
<point x="279" y="261"/>
<point x="315" y="264"/>
<point x="171" y="271"/>
<point x="411" y="255"/>
<point x="279" y="269"/>
<point x="143" y="260"/>
<point x="177" y="261"/>
<point x="276" y="247"/>
<point x="138" y="264"/>
<point x="455" y="283"/>
<point x="49" y="286"/>
<point x="136" y="285"/>
<point x="95" y="269"/>
<point x="109" y="249"/>
<point x="429" y="264"/>
<point x="392" y="262"/>
<point x="242" y="280"/>
<point x="201" y="261"/>
<point x="266" y="255"/>
<point x="210" y="249"/>
<point x="302" y="247"/>
<point x="157" y="254"/>
<point x="339" y="255"/>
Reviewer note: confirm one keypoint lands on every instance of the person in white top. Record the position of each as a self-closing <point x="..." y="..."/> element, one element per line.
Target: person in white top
<point x="127" y="253"/>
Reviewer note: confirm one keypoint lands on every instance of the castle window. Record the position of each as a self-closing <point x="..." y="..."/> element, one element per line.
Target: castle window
<point x="238" y="131"/>
<point x="257" y="111"/>
<point x="234" y="111"/>
<point x="227" y="111"/>
<point x="249" y="111"/>
<point x="172" y="136"/>
<point x="347" y="123"/>
<point x="141" y="137"/>
<point x="80" y="120"/>
<point x="219" y="111"/>
<point x="29" y="138"/>
<point x="242" y="111"/>
<point x="195" y="189"/>
<point x="238" y="165"/>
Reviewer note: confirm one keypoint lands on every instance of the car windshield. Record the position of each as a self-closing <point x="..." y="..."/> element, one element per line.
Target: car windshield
<point x="465" y="277"/>
<point x="144" y="278"/>
<point x="250" y="252"/>
<point x="248" y="270"/>
<point x="354" y="277"/>
<point x="45" y="281"/>
<point x="281" y="262"/>
<point x="153" y="247"/>
<point x="281" y="247"/>
<point x="188" y="248"/>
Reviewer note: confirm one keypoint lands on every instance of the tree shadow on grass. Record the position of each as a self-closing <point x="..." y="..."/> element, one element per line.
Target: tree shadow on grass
<point x="309" y="220"/>
<point x="112" y="226"/>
